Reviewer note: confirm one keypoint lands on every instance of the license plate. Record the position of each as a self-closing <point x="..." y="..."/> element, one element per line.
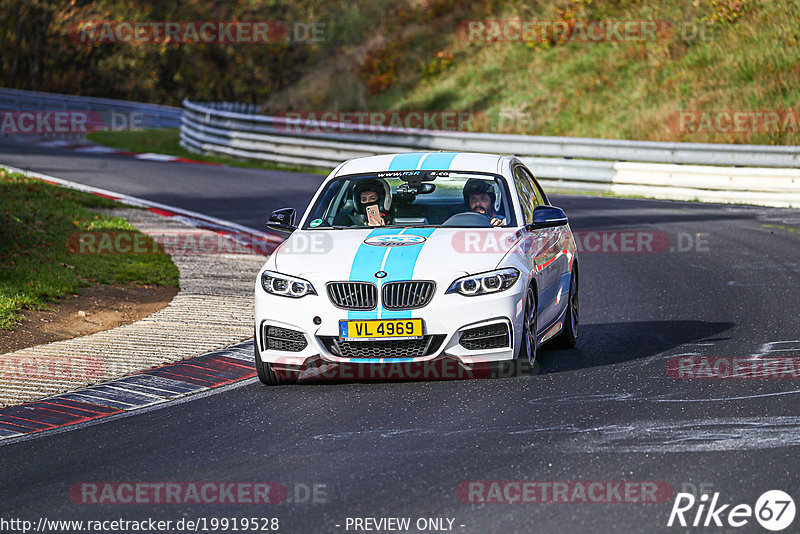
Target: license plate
<point x="381" y="328"/>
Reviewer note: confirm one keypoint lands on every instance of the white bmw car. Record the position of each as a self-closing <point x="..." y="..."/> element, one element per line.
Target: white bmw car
<point x="416" y="257"/>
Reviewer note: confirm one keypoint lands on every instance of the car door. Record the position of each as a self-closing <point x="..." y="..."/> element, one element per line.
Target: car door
<point x="545" y="255"/>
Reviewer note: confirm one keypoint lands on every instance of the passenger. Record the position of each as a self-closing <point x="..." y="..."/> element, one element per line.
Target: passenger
<point x="370" y="192"/>
<point x="479" y="197"/>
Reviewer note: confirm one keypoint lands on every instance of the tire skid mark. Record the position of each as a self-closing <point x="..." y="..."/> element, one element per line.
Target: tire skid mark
<point x="656" y="436"/>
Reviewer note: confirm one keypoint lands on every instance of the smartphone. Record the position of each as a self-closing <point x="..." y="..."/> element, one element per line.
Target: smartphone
<point x="374" y="216"/>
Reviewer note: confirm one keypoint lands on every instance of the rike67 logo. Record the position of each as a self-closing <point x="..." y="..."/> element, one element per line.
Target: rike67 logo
<point x="774" y="510"/>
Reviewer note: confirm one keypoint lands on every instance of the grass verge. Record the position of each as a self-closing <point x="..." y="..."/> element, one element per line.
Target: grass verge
<point x="36" y="267"/>
<point x="167" y="141"/>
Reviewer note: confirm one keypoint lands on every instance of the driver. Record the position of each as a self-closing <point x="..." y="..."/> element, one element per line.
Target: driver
<point x="479" y="197"/>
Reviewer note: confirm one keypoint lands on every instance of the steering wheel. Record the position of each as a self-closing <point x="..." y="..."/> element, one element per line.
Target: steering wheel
<point x="470" y="219"/>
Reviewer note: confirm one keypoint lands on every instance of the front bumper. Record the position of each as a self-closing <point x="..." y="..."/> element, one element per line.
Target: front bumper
<point x="445" y="319"/>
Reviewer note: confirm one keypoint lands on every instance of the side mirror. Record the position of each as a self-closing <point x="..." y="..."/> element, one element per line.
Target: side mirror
<point x="547" y="217"/>
<point x="282" y="220"/>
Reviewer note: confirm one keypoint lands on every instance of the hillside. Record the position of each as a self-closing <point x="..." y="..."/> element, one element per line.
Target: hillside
<point x="685" y="70"/>
<point x="713" y="57"/>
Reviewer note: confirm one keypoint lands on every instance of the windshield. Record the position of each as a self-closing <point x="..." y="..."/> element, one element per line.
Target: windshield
<point x="413" y="198"/>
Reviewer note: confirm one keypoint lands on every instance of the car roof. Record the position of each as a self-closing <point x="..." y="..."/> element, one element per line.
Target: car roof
<point x="462" y="161"/>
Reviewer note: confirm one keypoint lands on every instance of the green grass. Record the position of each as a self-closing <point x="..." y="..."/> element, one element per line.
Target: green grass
<point x="791" y="229"/>
<point x="36" y="266"/>
<point x="724" y="55"/>
<point x="167" y="141"/>
<point x="627" y="90"/>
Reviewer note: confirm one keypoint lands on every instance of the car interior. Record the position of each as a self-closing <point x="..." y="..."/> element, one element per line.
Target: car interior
<point x="443" y="209"/>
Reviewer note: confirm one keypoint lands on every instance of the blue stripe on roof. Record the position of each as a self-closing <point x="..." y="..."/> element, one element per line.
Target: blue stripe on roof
<point x="438" y="160"/>
<point x="404" y="162"/>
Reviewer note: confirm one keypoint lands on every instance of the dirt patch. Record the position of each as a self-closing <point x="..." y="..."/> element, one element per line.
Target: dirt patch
<point x="96" y="308"/>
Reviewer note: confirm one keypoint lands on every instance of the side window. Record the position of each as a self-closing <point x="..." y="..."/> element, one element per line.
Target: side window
<point x="541" y="198"/>
<point x="526" y="192"/>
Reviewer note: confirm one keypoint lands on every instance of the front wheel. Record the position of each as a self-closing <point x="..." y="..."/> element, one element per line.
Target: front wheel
<point x="266" y="374"/>
<point x="525" y="362"/>
<point x="568" y="337"/>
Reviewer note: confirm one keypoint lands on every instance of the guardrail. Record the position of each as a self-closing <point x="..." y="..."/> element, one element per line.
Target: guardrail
<point x="221" y="118"/>
<point x="150" y="115"/>
<point x="745" y="174"/>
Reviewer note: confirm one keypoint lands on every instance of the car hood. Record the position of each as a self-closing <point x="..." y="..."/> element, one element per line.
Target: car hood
<point x="403" y="253"/>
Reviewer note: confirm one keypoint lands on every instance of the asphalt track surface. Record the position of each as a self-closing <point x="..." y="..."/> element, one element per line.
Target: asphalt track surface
<point x="605" y="411"/>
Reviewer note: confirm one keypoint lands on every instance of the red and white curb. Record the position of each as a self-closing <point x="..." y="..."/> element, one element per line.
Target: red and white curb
<point x="140" y="390"/>
<point x="206" y="370"/>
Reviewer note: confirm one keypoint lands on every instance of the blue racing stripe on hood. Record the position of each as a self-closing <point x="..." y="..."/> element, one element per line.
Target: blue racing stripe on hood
<point x="398" y="262"/>
<point x="400" y="266"/>
<point x="366" y="262"/>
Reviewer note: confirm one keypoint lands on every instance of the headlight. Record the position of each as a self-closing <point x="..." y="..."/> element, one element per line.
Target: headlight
<point x="285" y="285"/>
<point x="481" y="284"/>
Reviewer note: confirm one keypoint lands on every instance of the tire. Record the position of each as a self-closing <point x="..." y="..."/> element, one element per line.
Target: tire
<point x="264" y="370"/>
<point x="568" y="337"/>
<point x="525" y="363"/>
